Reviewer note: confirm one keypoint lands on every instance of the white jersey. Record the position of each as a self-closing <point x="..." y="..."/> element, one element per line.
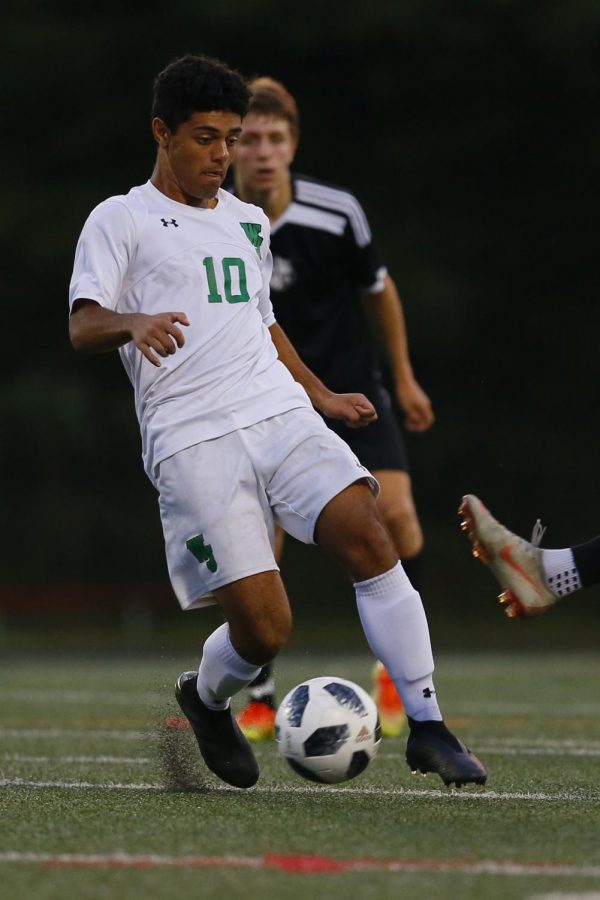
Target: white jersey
<point x="146" y="253"/>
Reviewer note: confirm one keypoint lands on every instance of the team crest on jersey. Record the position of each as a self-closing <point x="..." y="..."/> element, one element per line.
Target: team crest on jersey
<point x="252" y="231"/>
<point x="283" y="276"/>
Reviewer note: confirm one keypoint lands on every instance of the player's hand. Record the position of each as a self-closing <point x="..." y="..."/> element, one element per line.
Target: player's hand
<point x="353" y="409"/>
<point x="416" y="406"/>
<point x="158" y="334"/>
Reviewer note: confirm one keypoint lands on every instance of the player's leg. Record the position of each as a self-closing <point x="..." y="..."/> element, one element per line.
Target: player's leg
<point x="321" y="492"/>
<point x="258" y="623"/>
<point x="587" y="561"/>
<point x="395" y="625"/>
<point x="218" y="534"/>
<point x="381" y="448"/>
<point x="257" y="718"/>
<point x="397" y="508"/>
<point x="532" y="578"/>
<point x="398" y="511"/>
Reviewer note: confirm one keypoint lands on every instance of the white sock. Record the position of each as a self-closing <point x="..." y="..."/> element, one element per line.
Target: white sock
<point x="395" y="626"/>
<point x="560" y="571"/>
<point x="266" y="689"/>
<point x="222" y="672"/>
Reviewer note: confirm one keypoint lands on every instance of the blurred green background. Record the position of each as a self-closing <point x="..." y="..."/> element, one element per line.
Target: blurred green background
<point x="470" y="132"/>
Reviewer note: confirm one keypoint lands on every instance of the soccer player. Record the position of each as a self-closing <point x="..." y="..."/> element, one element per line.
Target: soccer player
<point x="532" y="578"/>
<point x="324" y="267"/>
<point x="175" y="275"/>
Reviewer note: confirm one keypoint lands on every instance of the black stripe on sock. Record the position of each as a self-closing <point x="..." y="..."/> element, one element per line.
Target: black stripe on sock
<point x="587" y="560"/>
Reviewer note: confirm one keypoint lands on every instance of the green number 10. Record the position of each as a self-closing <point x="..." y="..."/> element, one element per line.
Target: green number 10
<point x="227" y="264"/>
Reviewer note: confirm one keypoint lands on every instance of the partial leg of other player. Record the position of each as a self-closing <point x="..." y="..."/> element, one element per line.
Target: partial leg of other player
<point x="532" y="579"/>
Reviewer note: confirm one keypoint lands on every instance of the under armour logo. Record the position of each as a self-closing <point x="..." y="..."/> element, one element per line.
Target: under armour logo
<point x="171" y="222"/>
<point x="428" y="693"/>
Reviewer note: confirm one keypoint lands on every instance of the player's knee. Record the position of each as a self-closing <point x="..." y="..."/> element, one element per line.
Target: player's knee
<point x="369" y="550"/>
<point x="403" y="524"/>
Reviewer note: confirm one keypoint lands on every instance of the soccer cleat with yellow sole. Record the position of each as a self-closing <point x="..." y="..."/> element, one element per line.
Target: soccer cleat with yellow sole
<point x="389" y="704"/>
<point x="257" y="721"/>
<point x="516" y="563"/>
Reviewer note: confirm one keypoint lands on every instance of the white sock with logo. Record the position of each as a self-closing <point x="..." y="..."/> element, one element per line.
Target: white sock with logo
<point x="560" y="572"/>
<point x="222" y="672"/>
<point x="395" y="626"/>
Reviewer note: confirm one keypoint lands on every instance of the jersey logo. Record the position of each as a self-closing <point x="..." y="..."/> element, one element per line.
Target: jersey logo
<point x="252" y="232"/>
<point x="283" y="276"/>
<point x="171" y="222"/>
<point x="203" y="552"/>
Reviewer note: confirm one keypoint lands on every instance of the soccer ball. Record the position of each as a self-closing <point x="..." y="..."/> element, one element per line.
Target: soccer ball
<point x="328" y="729"/>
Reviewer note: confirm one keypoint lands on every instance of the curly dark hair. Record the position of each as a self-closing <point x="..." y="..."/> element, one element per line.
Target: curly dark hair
<point x="197" y="84"/>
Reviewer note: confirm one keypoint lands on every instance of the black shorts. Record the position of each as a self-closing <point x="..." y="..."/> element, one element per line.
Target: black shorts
<point x="379" y="445"/>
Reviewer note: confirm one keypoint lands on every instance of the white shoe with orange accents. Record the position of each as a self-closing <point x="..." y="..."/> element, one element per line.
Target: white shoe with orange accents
<point x="516" y="563"/>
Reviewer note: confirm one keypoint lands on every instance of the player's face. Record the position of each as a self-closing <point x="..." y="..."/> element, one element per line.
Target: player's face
<point x="265" y="152"/>
<point x="193" y="160"/>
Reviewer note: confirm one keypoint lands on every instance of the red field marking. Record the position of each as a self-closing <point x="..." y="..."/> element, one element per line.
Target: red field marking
<point x="302" y="864"/>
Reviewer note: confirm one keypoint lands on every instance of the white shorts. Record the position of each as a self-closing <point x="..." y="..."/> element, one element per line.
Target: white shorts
<point x="219" y="499"/>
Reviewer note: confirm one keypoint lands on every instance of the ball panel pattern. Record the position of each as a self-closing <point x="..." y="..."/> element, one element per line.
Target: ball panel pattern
<point x="346" y="697"/>
<point x="359" y="762"/>
<point x="328" y="729"/>
<point x="309" y="774"/>
<point x="296" y="705"/>
<point x="326" y="741"/>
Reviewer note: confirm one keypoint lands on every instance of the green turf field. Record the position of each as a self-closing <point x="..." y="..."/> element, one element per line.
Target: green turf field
<point x="85" y="810"/>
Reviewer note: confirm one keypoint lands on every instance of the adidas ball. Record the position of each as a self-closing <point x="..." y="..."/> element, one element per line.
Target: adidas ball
<point x="328" y="729"/>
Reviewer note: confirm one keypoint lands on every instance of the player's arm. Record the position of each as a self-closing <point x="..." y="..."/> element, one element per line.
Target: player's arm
<point x="95" y="329"/>
<point x="385" y="307"/>
<point x="354" y="409"/>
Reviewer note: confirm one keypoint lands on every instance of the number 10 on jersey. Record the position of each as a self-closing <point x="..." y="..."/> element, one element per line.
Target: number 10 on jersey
<point x="233" y="270"/>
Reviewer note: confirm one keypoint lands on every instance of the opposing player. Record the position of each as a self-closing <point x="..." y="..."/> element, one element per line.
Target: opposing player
<point x="324" y="267"/>
<point x="175" y="276"/>
<point x="532" y="579"/>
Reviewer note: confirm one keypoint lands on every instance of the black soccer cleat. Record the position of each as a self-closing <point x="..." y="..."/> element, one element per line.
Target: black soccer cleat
<point x="432" y="748"/>
<point x="224" y="748"/>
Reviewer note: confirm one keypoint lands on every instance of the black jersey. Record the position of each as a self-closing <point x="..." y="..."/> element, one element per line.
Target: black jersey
<point x="323" y="256"/>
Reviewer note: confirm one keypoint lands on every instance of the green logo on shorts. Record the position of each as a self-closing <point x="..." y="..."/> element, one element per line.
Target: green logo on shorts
<point x="203" y="552"/>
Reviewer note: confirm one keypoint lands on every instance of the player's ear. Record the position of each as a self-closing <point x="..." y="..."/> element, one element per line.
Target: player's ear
<point x="161" y="132"/>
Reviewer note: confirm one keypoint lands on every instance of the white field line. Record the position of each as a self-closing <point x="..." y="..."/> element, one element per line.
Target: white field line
<point x="536" y="751"/>
<point x="127" y="859"/>
<point x="526" y="743"/>
<point x="501" y="747"/>
<point x="556" y="749"/>
<point x="47" y="695"/>
<point x="546" y="742"/>
<point x="541" y="709"/>
<point x="60" y="732"/>
<point x="117" y="760"/>
<point x="468" y="794"/>
<point x="580" y="895"/>
<point x="528" y="708"/>
<point x="303" y="864"/>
